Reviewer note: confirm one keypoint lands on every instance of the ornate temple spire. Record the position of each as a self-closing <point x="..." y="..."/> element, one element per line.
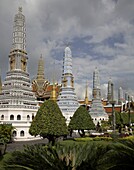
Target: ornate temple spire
<point x="17" y="99"/>
<point x="97" y="110"/>
<point x="86" y="95"/>
<point x="67" y="99"/>
<point x="109" y="95"/>
<point x="19" y="31"/>
<point x="18" y="55"/>
<point x="67" y="61"/>
<point x="96" y="80"/>
<point x="96" y="84"/>
<point x="40" y="73"/>
<point x="120" y="95"/>
<point x="39" y="84"/>
<point x="67" y="75"/>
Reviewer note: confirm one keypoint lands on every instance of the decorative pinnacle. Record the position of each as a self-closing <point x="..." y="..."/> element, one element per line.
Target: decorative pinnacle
<point x="20" y="9"/>
<point x="86" y="95"/>
<point x="67" y="67"/>
<point x="40" y="73"/>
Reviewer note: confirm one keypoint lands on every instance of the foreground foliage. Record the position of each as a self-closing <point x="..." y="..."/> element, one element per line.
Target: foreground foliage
<point x="75" y="156"/>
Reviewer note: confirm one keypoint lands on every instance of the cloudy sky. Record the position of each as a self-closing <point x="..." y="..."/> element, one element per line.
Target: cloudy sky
<point x="100" y="34"/>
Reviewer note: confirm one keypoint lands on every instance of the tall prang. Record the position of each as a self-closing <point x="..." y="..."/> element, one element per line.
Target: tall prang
<point x="18" y="104"/>
<point x="67" y="99"/>
<point x="109" y="91"/>
<point x="120" y="96"/>
<point x="97" y="111"/>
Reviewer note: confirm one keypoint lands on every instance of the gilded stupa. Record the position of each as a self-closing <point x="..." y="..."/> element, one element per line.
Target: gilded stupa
<point x="42" y="87"/>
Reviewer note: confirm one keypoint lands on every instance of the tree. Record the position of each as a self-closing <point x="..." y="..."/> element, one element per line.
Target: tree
<point x="49" y="122"/>
<point x="81" y="121"/>
<point x="5" y="136"/>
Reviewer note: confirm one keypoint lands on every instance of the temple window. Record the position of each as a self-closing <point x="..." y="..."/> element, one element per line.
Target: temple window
<point x="2" y="117"/>
<point x="14" y="133"/>
<point x="22" y="133"/>
<point x="11" y="117"/>
<point x="18" y="117"/>
<point x="28" y="117"/>
<point x="32" y="116"/>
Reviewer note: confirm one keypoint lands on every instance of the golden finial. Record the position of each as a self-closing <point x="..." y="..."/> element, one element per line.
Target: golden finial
<point x="86" y="95"/>
<point x="53" y="93"/>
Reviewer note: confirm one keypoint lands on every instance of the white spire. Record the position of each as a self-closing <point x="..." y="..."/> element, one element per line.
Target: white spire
<point x="96" y="80"/>
<point x="19" y="31"/>
<point x="67" y="99"/>
<point x="67" y="61"/>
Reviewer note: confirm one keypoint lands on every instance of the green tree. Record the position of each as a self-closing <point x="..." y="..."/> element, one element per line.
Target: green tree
<point x="105" y="125"/>
<point x="49" y="122"/>
<point x="5" y="136"/>
<point x="81" y="121"/>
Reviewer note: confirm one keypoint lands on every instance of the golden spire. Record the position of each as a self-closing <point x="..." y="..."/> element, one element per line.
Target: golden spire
<point x="53" y="93"/>
<point x="40" y="74"/>
<point x="86" y="96"/>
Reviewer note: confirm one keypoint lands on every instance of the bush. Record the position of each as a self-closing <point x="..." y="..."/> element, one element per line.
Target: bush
<point x="86" y="139"/>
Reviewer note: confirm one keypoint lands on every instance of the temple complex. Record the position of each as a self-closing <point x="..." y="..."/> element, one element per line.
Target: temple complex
<point x="67" y="99"/>
<point x="18" y="104"/>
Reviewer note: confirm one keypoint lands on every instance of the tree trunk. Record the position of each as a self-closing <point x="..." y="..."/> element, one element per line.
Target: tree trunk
<point x="51" y="140"/>
<point x="5" y="147"/>
<point x="81" y="133"/>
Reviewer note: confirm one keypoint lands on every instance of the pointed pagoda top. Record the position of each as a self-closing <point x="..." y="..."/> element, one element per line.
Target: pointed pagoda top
<point x="96" y="79"/>
<point x="110" y="80"/>
<point x="20" y="9"/>
<point x="67" y="63"/>
<point x="40" y="73"/>
<point x="19" y="32"/>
